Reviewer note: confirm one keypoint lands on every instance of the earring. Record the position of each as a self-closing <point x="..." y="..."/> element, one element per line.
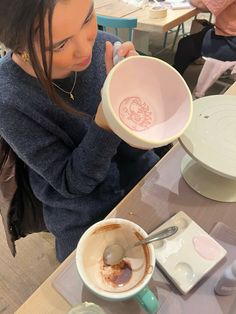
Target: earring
<point x="25" y="56"/>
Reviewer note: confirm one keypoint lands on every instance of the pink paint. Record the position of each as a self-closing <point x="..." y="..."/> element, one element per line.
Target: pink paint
<point x="135" y="113"/>
<point x="206" y="247"/>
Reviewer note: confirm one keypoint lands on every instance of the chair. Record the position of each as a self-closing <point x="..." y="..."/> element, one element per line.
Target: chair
<point x="215" y="71"/>
<point x="117" y="23"/>
<point x="180" y="27"/>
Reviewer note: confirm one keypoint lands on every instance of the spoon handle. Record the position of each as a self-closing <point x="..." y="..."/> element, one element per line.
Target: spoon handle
<point x="165" y="233"/>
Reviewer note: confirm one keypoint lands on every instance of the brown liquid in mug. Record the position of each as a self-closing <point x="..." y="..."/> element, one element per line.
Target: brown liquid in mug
<point x="117" y="275"/>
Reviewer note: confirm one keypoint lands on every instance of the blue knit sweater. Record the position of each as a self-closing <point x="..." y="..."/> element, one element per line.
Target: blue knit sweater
<point x="78" y="170"/>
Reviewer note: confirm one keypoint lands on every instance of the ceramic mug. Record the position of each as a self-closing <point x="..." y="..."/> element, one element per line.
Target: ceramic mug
<point x="129" y="278"/>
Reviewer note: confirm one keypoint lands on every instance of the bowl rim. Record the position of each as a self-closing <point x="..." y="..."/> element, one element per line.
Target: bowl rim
<point x="135" y="135"/>
<point x="107" y="294"/>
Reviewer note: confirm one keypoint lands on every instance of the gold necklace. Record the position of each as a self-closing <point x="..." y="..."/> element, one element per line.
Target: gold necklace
<point x="70" y="92"/>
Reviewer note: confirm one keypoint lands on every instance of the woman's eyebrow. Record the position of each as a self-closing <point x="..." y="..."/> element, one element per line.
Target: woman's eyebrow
<point x="89" y="12"/>
<point x="58" y="43"/>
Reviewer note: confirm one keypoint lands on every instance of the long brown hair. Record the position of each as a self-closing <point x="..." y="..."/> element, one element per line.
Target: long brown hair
<point x="20" y="22"/>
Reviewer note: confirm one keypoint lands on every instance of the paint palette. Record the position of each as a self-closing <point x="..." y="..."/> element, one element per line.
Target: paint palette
<point x="189" y="254"/>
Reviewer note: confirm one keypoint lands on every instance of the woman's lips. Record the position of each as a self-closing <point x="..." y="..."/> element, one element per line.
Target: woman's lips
<point x="84" y="61"/>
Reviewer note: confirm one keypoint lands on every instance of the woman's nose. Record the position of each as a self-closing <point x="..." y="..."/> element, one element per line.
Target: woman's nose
<point x="83" y="46"/>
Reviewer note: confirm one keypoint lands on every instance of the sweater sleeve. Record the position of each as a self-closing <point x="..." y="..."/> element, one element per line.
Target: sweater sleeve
<point x="70" y="171"/>
<point x="217" y="6"/>
<point x="129" y="153"/>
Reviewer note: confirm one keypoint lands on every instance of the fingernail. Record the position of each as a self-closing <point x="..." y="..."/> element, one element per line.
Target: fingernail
<point x="120" y="52"/>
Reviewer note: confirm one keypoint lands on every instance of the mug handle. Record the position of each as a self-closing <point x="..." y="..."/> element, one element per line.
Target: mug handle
<point x="147" y="300"/>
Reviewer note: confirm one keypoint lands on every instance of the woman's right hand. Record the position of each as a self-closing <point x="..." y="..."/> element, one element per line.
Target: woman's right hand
<point x="126" y="49"/>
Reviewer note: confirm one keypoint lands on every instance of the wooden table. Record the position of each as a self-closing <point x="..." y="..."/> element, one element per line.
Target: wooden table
<point x="159" y="195"/>
<point x="118" y="8"/>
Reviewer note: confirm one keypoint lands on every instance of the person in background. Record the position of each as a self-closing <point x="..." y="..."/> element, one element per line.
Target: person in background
<point x="51" y="114"/>
<point x="218" y="41"/>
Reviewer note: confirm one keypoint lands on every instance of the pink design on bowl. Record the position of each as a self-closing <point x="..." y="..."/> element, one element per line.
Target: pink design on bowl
<point x="135" y="113"/>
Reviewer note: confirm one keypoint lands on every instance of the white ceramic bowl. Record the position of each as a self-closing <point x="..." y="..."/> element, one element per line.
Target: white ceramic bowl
<point x="146" y="102"/>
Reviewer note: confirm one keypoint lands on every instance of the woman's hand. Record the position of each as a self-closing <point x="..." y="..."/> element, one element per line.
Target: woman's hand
<point x="100" y="119"/>
<point x="125" y="50"/>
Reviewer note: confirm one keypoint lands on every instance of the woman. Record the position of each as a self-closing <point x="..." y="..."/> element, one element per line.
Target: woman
<point x="213" y="41"/>
<point x="51" y="114"/>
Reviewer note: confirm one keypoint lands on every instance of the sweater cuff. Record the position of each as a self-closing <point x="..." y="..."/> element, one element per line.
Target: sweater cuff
<point x="99" y="137"/>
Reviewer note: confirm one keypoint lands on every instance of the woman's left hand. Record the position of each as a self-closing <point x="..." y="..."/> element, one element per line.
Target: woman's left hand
<point x="126" y="49"/>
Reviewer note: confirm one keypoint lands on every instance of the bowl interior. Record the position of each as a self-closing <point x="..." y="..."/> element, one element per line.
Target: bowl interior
<point x="150" y="98"/>
<point x="118" y="280"/>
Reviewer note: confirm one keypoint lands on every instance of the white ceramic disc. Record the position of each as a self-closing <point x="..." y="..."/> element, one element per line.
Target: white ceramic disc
<point x="211" y="136"/>
<point x="206" y="182"/>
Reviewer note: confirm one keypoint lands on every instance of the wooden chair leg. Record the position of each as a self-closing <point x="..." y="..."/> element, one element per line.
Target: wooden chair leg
<point x="165" y="40"/>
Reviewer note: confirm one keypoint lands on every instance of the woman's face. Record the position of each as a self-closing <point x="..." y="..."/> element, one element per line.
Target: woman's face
<point x="74" y="30"/>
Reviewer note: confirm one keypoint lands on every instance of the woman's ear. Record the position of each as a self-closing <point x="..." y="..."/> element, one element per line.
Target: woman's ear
<point x="25" y="56"/>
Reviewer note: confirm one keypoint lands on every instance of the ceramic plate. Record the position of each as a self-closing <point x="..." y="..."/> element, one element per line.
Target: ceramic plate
<point x="211" y="135"/>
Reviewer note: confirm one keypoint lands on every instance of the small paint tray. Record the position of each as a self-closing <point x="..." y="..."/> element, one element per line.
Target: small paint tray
<point x="189" y="254"/>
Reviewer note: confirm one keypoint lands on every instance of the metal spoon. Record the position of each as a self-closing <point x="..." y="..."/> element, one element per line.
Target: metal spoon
<point x="114" y="253"/>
